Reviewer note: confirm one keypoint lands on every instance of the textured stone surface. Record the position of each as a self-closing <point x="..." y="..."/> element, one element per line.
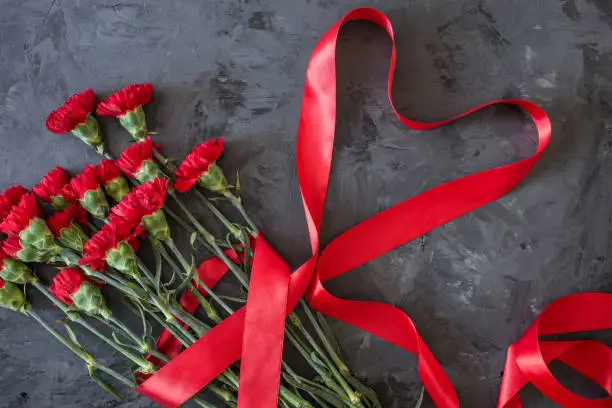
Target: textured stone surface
<point x="236" y="68"/>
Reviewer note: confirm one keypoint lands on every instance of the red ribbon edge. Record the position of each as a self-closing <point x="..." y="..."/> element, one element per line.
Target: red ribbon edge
<point x="186" y="374"/>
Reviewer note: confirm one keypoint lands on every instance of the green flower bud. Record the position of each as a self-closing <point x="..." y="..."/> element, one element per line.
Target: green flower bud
<point x="123" y="259"/>
<point x="94" y="202"/>
<point x="89" y="132"/>
<point x="89" y="299"/>
<point x="135" y="123"/>
<point x="12" y="297"/>
<point x="29" y="254"/>
<point x="117" y="188"/>
<point x="73" y="237"/>
<point x="149" y="170"/>
<point x="214" y="179"/>
<point x="59" y="203"/>
<point x="157" y="225"/>
<point x="37" y="241"/>
<point x="17" y="272"/>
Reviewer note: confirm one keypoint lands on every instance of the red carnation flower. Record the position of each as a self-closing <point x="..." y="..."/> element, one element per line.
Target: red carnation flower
<point x="10" y="198"/>
<point x="68" y="282"/>
<point x="12" y="246"/>
<point x="63" y="219"/>
<point x="87" y="189"/>
<point x="130" y="161"/>
<point x="197" y="163"/>
<point x="50" y="187"/>
<point x="84" y="182"/>
<point x="137" y="162"/>
<point x="72" y="113"/>
<point x="20" y="215"/>
<point x="1" y="283"/>
<point x="107" y="171"/>
<point x="142" y="201"/>
<point x="108" y="238"/>
<point x="115" y="185"/>
<point x="143" y="206"/>
<point x="127" y="99"/>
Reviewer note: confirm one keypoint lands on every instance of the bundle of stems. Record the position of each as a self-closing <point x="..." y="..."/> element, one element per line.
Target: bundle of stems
<point x="101" y="252"/>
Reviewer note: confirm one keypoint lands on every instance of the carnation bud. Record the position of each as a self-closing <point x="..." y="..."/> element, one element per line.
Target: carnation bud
<point x="12" y="297"/>
<point x="89" y="299"/>
<point x="149" y="170"/>
<point x="37" y="242"/>
<point x="214" y="179"/>
<point x="134" y="121"/>
<point x="157" y="226"/>
<point x="89" y="132"/>
<point x="73" y="237"/>
<point x="117" y="188"/>
<point x="94" y="201"/>
<point x="15" y="271"/>
<point x="59" y="203"/>
<point x="123" y="259"/>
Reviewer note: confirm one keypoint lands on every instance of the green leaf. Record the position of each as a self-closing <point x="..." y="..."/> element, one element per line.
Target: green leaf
<point x="247" y="248"/>
<point x="192" y="238"/>
<point x="420" y="400"/>
<point x="72" y="335"/>
<point x="158" y="268"/>
<point x="237" y="189"/>
<point x="137" y="308"/>
<point x="364" y="390"/>
<point x="121" y="343"/>
<point x="101" y="383"/>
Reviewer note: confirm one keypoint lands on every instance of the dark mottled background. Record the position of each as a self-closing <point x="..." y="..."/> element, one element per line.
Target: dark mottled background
<point x="236" y="68"/>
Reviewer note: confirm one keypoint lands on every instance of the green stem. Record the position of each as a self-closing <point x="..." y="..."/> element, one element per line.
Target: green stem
<point x="186" y="226"/>
<point x="185" y="341"/>
<point x="145" y="365"/>
<point x="75" y="316"/>
<point x="188" y="269"/>
<point x="210" y="310"/>
<point x="80" y="351"/>
<point x="143" y="345"/>
<point x="302" y="349"/>
<point x="237" y="203"/>
<point x="296" y="321"/>
<point x="210" y="239"/>
<point x="222" y="218"/>
<point x="200" y="328"/>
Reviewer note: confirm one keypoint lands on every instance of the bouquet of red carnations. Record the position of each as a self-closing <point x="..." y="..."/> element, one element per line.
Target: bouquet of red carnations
<point x="95" y="232"/>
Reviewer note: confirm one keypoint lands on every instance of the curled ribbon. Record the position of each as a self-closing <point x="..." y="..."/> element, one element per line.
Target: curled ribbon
<point x="254" y="333"/>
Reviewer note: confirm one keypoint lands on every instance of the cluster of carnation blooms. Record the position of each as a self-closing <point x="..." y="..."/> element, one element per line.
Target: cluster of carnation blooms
<point x="91" y="227"/>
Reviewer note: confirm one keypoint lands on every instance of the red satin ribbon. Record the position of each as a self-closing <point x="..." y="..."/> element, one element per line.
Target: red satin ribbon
<point x="255" y="332"/>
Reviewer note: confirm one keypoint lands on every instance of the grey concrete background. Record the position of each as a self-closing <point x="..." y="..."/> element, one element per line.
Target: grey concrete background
<point x="236" y="68"/>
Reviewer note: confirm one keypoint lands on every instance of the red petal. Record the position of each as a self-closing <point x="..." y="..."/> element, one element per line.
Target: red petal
<point x="107" y="171"/>
<point x="62" y="219"/>
<point x="196" y="163"/>
<point x="84" y="182"/>
<point x="72" y="113"/>
<point x="126" y="99"/>
<point x="10" y="198"/>
<point x="131" y="159"/>
<point x="51" y="184"/>
<point x="21" y="214"/>
<point x="142" y="201"/>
